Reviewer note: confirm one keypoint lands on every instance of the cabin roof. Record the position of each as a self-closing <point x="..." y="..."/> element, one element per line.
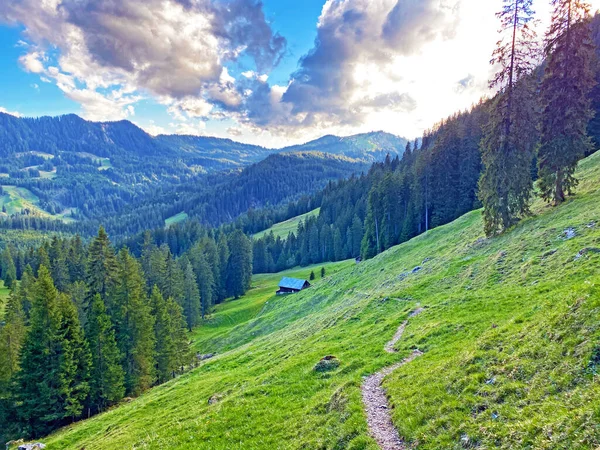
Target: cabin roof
<point x="292" y="283"/>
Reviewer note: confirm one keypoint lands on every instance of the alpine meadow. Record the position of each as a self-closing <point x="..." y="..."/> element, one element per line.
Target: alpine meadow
<point x="335" y="224"/>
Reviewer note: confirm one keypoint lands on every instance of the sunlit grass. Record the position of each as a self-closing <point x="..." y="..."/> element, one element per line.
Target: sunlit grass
<point x="283" y="229"/>
<point x="510" y="334"/>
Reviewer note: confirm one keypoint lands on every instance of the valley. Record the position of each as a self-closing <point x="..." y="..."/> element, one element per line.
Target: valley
<point x="488" y="304"/>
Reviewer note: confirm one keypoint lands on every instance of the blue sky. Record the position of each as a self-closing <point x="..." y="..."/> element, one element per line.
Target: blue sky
<point x="275" y="72"/>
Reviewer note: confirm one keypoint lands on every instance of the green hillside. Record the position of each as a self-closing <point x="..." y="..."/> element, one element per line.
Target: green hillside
<point x="510" y="333"/>
<point x="17" y="199"/>
<point x="283" y="229"/>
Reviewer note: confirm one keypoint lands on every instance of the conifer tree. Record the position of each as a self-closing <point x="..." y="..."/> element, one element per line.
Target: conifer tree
<point x="565" y="96"/>
<point x="101" y="268"/>
<point x="12" y="335"/>
<point x="8" y="270"/>
<point x="74" y="362"/>
<point x="39" y="378"/>
<point x="191" y="304"/>
<point x="221" y="280"/>
<point x="510" y="136"/>
<point x="181" y="344"/>
<point x="106" y="374"/>
<point x="134" y="324"/>
<point x="239" y="273"/>
<point x="163" y="336"/>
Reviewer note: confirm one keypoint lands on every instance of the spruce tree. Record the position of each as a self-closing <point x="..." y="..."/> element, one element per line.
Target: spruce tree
<point x="106" y="374"/>
<point x="39" y="378"/>
<point x="74" y="362"/>
<point x="163" y="336"/>
<point x="182" y="352"/>
<point x="8" y="270"/>
<point x="239" y="271"/>
<point x="129" y="309"/>
<point x="12" y="335"/>
<point x="565" y="96"/>
<point x="510" y="136"/>
<point x="191" y="303"/>
<point x="101" y="268"/>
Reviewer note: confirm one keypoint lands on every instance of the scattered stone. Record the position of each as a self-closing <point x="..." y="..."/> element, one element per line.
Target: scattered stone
<point x="502" y="254"/>
<point x="204" y="357"/>
<point x="494" y="325"/>
<point x="550" y="253"/>
<point x="495" y="415"/>
<point x="426" y="260"/>
<point x="402" y="276"/>
<point x="416" y="269"/>
<point x="585" y="251"/>
<point x="491" y="381"/>
<point x="327" y="364"/>
<point x="215" y="398"/>
<point x="34" y="446"/>
<point x="569" y="233"/>
<point x="592" y="224"/>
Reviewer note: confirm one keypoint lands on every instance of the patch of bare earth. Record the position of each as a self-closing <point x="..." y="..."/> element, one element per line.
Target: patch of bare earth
<point x="376" y="406"/>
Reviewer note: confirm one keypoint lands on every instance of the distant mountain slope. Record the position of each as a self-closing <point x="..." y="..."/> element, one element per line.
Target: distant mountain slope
<point x="368" y="147"/>
<point x="218" y="198"/>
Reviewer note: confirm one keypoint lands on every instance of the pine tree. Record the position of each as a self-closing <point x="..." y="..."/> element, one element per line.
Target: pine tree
<point x="12" y="335"/>
<point x="322" y="272"/>
<point x="510" y="137"/>
<point x="181" y="344"/>
<point x="565" y="96"/>
<point x="312" y="275"/>
<point x="221" y="280"/>
<point x="8" y="270"/>
<point x="101" y="268"/>
<point x="74" y="362"/>
<point x="191" y="305"/>
<point x="239" y="273"/>
<point x="134" y="324"/>
<point x="163" y="336"/>
<point x="106" y="374"/>
<point x="39" y="379"/>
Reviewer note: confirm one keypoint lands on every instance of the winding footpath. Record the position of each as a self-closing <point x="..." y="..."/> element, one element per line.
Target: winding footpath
<point x="376" y="406"/>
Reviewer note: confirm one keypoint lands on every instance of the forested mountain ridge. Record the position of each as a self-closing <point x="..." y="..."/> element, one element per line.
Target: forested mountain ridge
<point x="80" y="170"/>
<point x="370" y="147"/>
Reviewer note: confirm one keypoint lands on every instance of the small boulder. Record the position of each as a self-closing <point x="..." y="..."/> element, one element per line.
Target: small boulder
<point x="327" y="364"/>
<point x="417" y="269"/>
<point x="585" y="251"/>
<point x="569" y="233"/>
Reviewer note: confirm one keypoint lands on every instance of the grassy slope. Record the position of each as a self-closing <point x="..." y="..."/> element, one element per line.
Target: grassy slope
<point x="177" y="218"/>
<point x="511" y="340"/>
<point x="283" y="229"/>
<point x="16" y="199"/>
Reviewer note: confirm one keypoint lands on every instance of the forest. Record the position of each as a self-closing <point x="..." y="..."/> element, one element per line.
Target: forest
<point x="87" y="326"/>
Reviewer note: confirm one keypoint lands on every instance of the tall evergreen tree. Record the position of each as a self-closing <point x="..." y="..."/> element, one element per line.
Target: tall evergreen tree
<point x="106" y="374"/>
<point x="181" y="344"/>
<point x="505" y="185"/>
<point x="239" y="273"/>
<point x="129" y="308"/>
<point x="191" y="302"/>
<point x="39" y="379"/>
<point x="74" y="362"/>
<point x="163" y="336"/>
<point x="12" y="335"/>
<point x="8" y="270"/>
<point x="565" y="96"/>
<point x="101" y="268"/>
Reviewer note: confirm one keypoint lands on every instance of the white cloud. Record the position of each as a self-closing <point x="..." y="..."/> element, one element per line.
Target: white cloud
<point x="12" y="113"/>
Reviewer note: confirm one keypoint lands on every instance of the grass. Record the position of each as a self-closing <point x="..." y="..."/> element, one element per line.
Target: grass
<point x="510" y="334"/>
<point x="16" y="199"/>
<point x="215" y="333"/>
<point x="177" y="218"/>
<point x="283" y="229"/>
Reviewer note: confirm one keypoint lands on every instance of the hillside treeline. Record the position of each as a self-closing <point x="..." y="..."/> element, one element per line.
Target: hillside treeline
<point x="87" y="326"/>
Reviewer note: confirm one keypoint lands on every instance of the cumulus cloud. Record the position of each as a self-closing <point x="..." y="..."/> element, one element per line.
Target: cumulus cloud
<point x="173" y="49"/>
<point x="12" y="113"/>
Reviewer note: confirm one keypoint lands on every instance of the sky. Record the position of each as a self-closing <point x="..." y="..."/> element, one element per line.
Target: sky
<point x="271" y="72"/>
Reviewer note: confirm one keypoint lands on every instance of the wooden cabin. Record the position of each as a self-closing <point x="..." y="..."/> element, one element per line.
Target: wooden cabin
<point x="291" y="286"/>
